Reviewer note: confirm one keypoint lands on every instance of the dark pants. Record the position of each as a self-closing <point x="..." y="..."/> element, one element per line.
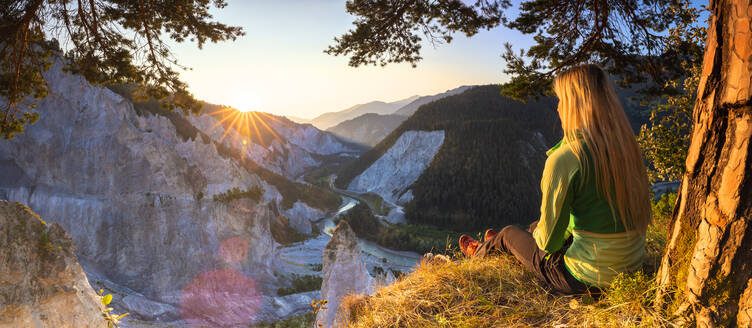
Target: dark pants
<point x="550" y="271"/>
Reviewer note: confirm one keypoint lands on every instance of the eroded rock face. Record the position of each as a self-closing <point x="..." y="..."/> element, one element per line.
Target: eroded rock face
<point x="41" y="282"/>
<point x="136" y="198"/>
<point x="344" y="273"/>
<point x="400" y="166"/>
<point x="300" y="216"/>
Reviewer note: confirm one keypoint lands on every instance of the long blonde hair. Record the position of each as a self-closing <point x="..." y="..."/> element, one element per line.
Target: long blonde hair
<point x="593" y="120"/>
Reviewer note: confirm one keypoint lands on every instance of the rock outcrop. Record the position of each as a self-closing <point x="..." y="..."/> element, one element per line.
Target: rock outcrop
<point x="344" y="273"/>
<point x="400" y="166"/>
<point x="41" y="282"/>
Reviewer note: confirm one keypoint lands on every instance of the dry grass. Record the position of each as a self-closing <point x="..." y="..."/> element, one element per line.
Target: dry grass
<point x="498" y="292"/>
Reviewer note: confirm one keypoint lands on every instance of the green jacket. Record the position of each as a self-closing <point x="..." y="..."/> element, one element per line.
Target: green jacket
<point x="601" y="248"/>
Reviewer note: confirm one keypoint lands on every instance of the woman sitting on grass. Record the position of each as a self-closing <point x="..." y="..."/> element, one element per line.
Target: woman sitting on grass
<point x="595" y="207"/>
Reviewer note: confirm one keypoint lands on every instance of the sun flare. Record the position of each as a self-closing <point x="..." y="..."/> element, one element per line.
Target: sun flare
<point x="250" y="126"/>
<point x="243" y="100"/>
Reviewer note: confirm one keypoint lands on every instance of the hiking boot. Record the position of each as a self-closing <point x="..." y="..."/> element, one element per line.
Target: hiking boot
<point x="468" y="245"/>
<point x="489" y="234"/>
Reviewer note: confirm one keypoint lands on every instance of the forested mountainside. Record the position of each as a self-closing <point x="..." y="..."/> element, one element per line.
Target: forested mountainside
<point x="637" y="112"/>
<point x="492" y="145"/>
<point x="368" y="129"/>
<point x="487" y="170"/>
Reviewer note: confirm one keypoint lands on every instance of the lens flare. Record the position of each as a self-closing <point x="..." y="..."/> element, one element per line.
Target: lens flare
<point x="224" y="298"/>
<point x="233" y="250"/>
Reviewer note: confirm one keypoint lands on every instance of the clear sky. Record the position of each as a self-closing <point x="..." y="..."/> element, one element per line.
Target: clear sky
<point x="279" y="65"/>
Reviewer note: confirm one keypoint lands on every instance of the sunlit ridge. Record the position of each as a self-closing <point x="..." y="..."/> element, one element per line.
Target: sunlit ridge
<point x="249" y="125"/>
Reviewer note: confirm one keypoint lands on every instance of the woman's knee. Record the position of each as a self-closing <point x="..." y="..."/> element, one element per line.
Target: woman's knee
<point x="506" y="231"/>
<point x="532" y="226"/>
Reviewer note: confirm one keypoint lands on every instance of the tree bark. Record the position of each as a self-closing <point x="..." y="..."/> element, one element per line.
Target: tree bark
<point x="707" y="268"/>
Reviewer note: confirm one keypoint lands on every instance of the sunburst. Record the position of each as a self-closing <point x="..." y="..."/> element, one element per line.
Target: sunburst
<point x="245" y="123"/>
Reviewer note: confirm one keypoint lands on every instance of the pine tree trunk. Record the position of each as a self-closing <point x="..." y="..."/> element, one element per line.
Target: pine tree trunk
<point x="708" y="262"/>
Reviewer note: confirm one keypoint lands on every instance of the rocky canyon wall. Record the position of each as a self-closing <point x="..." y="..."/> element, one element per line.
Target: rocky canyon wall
<point x="136" y="197"/>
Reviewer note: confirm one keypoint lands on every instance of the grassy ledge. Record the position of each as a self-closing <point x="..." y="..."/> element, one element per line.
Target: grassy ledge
<point x="498" y="292"/>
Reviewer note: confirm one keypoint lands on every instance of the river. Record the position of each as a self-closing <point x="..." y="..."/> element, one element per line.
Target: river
<point x="304" y="257"/>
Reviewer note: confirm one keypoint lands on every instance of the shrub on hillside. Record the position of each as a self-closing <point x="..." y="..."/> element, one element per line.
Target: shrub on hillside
<point x="254" y="193"/>
<point x="362" y="221"/>
<point x="301" y="284"/>
<point x="284" y="234"/>
<point x="663" y="208"/>
<point x="657" y="234"/>
<point x="634" y="290"/>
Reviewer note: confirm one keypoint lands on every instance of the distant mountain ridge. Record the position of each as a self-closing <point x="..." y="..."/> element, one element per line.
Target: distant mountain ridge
<point x="327" y="120"/>
<point x="410" y="108"/>
<point x="404" y="107"/>
<point x="299" y="120"/>
<point x="403" y="102"/>
<point x="369" y="129"/>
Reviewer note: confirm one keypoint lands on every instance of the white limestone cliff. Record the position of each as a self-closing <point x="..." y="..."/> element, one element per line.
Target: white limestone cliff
<point x="391" y="175"/>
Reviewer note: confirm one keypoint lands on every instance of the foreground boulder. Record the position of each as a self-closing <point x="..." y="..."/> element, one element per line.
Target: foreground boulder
<point x="344" y="274"/>
<point x="41" y="282"/>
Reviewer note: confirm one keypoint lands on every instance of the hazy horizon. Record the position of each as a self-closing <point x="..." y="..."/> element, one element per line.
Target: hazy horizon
<point x="287" y="73"/>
